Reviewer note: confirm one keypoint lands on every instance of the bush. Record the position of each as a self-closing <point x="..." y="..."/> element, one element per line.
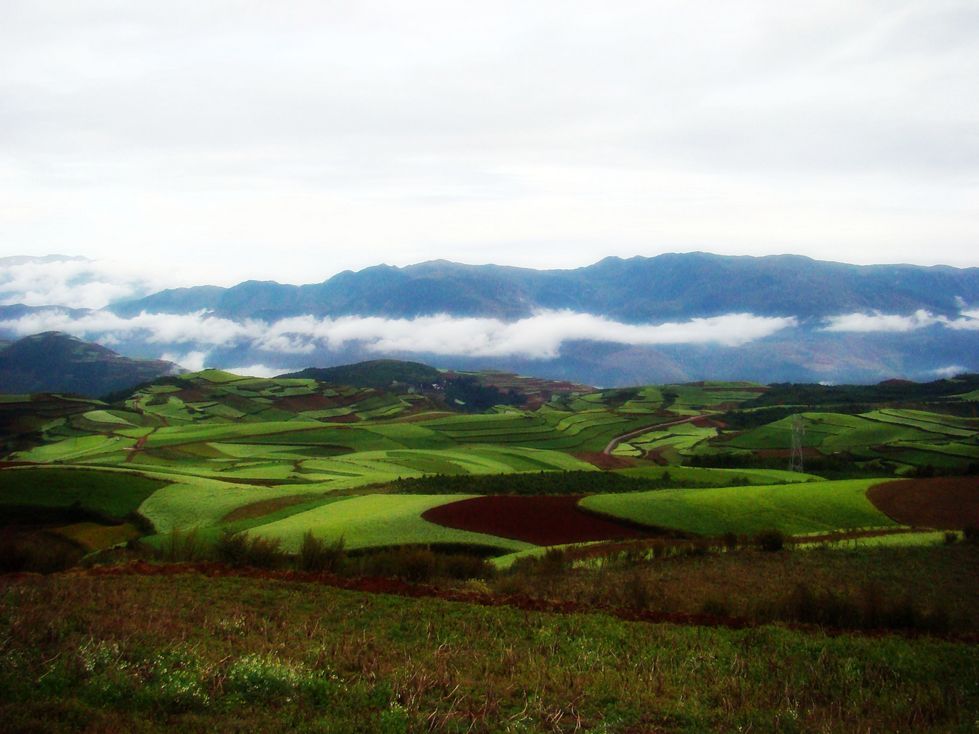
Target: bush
<point x="951" y="537"/>
<point x="316" y="555"/>
<point x="636" y="592"/>
<point x="417" y="564"/>
<point x="716" y="607"/>
<point x="36" y="552"/>
<point x="231" y="548"/>
<point x="262" y="678"/>
<point x="463" y="566"/>
<point x="770" y="540"/>
<point x="182" y="545"/>
<point x="971" y="534"/>
<point x="870" y="610"/>
<point x="239" y="549"/>
<point x="410" y="564"/>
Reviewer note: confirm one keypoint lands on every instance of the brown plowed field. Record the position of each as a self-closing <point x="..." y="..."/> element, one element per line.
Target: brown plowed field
<point x="605" y="461"/>
<point x="946" y="503"/>
<point x="538" y="520"/>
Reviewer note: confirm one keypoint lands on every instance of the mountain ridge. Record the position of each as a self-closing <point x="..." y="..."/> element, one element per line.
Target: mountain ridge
<point x="636" y="289"/>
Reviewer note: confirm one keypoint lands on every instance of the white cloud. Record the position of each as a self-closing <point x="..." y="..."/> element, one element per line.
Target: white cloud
<point x="256" y="370"/>
<point x="968" y="321"/>
<point x="155" y="328"/>
<point x="547" y="133"/>
<point x="539" y="337"/>
<point x="880" y="322"/>
<point x="193" y="361"/>
<point x="76" y="282"/>
<point x="950" y="371"/>
<point x="876" y="322"/>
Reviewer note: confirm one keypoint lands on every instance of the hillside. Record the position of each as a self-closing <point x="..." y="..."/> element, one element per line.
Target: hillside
<point x="56" y="362"/>
<point x="467" y="391"/>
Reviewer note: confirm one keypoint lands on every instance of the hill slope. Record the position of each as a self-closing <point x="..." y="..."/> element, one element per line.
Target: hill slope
<point x="56" y="362"/>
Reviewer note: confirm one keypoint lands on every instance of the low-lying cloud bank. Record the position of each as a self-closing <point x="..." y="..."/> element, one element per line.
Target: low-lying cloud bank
<point x="881" y="322"/>
<point x="77" y="282"/>
<point x="537" y="337"/>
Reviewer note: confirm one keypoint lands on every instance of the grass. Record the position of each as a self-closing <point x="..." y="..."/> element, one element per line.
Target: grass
<point x="379" y="520"/>
<point x="792" y="508"/>
<point x="93" y="536"/>
<point x="754" y="585"/>
<point x="196" y="654"/>
<point x="194" y="502"/>
<point x="110" y="493"/>
<point x="896" y="540"/>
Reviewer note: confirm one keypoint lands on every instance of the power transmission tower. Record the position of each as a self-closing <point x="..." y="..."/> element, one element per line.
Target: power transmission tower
<point x="798" y="438"/>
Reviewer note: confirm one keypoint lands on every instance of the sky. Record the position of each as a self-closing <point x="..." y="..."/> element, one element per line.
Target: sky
<point x="214" y="142"/>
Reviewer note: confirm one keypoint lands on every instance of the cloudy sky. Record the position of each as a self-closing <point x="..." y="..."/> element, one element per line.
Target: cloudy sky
<point x="216" y="141"/>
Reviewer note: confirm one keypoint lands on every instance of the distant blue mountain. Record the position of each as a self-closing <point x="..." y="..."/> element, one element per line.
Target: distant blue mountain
<point x="639" y="289"/>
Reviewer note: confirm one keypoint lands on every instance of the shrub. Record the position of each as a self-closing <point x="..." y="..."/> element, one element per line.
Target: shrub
<point x="417" y="564"/>
<point x="411" y="564"/>
<point x="464" y="566"/>
<point x="636" y="591"/>
<point x="36" y="552"/>
<point x="553" y="562"/>
<point x="261" y="678"/>
<point x="317" y="555"/>
<point x="182" y="545"/>
<point x="951" y="537"/>
<point x="716" y="607"/>
<point x="971" y="534"/>
<point x="770" y="540"/>
<point x="698" y="547"/>
<point x="231" y="548"/>
<point x="238" y="549"/>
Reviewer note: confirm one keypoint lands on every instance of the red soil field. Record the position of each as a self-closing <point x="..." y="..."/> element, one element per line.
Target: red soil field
<point x="946" y="503"/>
<point x="299" y="403"/>
<point x="605" y="461"/>
<point x="703" y="421"/>
<point x="539" y="520"/>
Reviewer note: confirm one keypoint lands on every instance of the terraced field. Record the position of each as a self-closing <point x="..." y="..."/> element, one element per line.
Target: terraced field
<point x="213" y="451"/>
<point x="792" y="508"/>
<point x="904" y="438"/>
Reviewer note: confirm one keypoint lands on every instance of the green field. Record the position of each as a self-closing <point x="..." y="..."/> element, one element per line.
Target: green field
<point x="202" y="446"/>
<point x="114" y="494"/>
<point x="380" y="520"/>
<point x="792" y="508"/>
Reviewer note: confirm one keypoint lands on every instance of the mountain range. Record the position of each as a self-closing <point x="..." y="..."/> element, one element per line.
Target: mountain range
<point x="669" y="318"/>
<point x="634" y="290"/>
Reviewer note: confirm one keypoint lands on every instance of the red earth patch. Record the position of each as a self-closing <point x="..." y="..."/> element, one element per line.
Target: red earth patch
<point x="540" y="520"/>
<point x="946" y="503"/>
<point x="605" y="461"/>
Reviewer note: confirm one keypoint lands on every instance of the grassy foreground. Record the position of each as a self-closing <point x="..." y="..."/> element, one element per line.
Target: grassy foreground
<point x="186" y="653"/>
